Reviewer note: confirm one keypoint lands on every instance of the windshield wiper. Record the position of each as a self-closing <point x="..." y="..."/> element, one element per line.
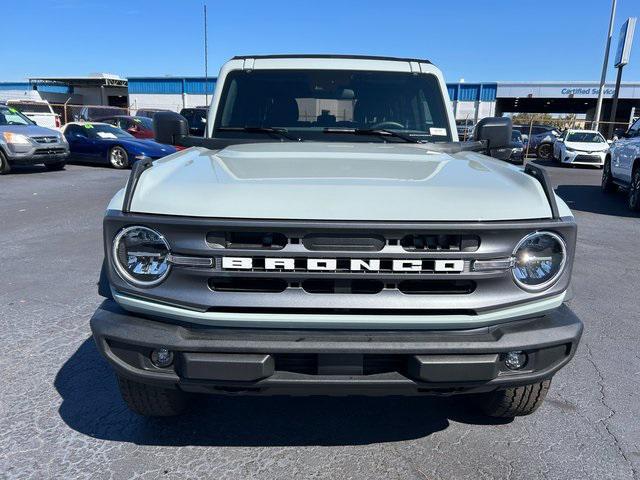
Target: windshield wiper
<point x="380" y="132"/>
<point x="276" y="132"/>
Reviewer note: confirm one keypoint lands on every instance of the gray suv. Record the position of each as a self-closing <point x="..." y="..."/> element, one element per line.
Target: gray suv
<point x="22" y="142"/>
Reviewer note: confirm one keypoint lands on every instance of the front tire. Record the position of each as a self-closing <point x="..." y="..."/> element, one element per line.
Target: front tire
<point x="515" y="401"/>
<point x="545" y="151"/>
<point x="607" y="178"/>
<point x="151" y="401"/>
<point x="118" y="157"/>
<point x="634" y="191"/>
<point x="4" y="164"/>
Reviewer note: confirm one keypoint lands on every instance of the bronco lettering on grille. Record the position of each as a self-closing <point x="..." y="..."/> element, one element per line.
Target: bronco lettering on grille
<point x="331" y="264"/>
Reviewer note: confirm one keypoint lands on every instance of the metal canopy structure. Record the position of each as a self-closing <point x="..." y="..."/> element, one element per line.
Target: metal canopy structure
<point x="98" y="80"/>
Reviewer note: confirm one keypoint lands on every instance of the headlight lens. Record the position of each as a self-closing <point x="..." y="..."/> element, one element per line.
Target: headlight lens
<point x="16" y="138"/>
<point x="141" y="256"/>
<point x="539" y="260"/>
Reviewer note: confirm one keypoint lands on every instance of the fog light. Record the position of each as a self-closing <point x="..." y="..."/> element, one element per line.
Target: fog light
<point x="162" y="357"/>
<point x="515" y="360"/>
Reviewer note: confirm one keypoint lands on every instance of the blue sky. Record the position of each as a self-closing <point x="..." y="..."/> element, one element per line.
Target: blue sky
<point x="481" y="40"/>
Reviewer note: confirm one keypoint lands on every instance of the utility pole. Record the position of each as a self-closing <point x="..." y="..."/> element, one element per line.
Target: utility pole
<point x="206" y="69"/>
<point x="603" y="78"/>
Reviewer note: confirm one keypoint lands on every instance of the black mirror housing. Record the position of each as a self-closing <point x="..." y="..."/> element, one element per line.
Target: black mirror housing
<point x="170" y="128"/>
<point x="495" y="132"/>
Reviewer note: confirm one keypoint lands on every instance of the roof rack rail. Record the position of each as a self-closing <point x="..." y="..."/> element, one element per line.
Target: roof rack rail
<point x="319" y="55"/>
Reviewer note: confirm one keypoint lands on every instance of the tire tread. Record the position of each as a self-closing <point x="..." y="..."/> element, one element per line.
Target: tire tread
<point x="151" y="401"/>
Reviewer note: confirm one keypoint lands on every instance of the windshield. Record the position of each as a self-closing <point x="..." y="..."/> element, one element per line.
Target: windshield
<point x="309" y="101"/>
<point x="104" y="131"/>
<point x="585" y="137"/>
<point x="10" y="116"/>
<point x="516" y="135"/>
<point x="146" y="122"/>
<point x="31" y="107"/>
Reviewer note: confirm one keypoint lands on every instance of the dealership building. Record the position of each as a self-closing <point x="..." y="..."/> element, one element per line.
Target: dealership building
<point x="471" y="101"/>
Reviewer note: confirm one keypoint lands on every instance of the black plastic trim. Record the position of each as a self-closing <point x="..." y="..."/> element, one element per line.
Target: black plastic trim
<point x="136" y="171"/>
<point x="319" y="55"/>
<point x="542" y="176"/>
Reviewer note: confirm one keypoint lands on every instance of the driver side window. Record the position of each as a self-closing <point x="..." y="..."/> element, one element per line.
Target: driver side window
<point x="634" y="131"/>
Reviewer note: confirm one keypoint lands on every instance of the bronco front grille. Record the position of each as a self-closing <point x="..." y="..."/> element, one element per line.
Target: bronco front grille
<point x="337" y="267"/>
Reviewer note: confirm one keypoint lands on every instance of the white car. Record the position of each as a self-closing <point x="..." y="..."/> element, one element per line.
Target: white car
<point x="580" y="147"/>
<point x="39" y="112"/>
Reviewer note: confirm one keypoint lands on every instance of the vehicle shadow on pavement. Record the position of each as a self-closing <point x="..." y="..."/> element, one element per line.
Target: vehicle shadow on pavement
<point x="91" y="405"/>
<point x="589" y="198"/>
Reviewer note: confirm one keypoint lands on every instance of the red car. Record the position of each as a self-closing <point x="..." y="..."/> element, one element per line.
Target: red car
<point x="139" y="127"/>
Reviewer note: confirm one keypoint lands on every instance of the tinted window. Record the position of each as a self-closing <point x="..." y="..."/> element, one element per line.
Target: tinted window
<point x="587" y="137"/>
<point x="30" y="107"/>
<point x="308" y="101"/>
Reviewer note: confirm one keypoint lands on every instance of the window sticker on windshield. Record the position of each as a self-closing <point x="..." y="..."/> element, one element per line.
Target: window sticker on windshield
<point x="438" y="131"/>
<point x="87" y="125"/>
<point x="13" y="110"/>
<point x="137" y="120"/>
<point x="106" y="135"/>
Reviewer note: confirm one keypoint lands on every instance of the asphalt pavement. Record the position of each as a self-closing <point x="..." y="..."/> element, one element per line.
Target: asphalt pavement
<point x="61" y="415"/>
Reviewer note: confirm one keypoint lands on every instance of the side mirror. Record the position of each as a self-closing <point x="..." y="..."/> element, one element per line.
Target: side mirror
<point x="170" y="128"/>
<point x="496" y="133"/>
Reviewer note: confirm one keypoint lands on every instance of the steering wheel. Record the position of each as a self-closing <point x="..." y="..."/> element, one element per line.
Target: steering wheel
<point x="384" y="125"/>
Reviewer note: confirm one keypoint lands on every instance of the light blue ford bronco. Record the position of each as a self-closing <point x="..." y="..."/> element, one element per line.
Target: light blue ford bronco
<point x="329" y="235"/>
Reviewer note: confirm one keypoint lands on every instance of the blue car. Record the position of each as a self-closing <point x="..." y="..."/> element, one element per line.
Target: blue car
<point x="105" y="144"/>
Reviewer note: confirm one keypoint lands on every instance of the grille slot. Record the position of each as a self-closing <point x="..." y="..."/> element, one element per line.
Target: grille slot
<point x="588" y="158"/>
<point x="439" y="242"/>
<point x="338" y="243"/>
<point x="437" y="287"/>
<point x="342" y="286"/>
<point x="49" y="151"/>
<point x="49" y="139"/>
<point x="247" y="240"/>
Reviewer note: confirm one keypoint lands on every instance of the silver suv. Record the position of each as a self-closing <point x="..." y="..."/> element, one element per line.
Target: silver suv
<point x="22" y="142"/>
<point x="622" y="166"/>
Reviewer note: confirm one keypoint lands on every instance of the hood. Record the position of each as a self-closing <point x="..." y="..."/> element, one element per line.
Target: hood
<point x="148" y="147"/>
<point x="337" y="181"/>
<point x="587" y="146"/>
<point x="29" y="130"/>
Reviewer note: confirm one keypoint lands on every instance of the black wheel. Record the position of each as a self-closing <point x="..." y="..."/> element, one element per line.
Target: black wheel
<point x="118" y="157"/>
<point x="4" y="164"/>
<point x="515" y="401"/>
<point x="152" y="401"/>
<point x="545" y="151"/>
<point x="634" y="191"/>
<point x="607" y="179"/>
<point x="55" y="166"/>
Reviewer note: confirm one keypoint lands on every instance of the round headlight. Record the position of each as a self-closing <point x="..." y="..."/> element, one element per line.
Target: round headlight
<point x="140" y="256"/>
<point x="539" y="260"/>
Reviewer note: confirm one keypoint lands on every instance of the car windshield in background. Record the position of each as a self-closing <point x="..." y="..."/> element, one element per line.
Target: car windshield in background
<point x="585" y="137"/>
<point x="311" y="103"/>
<point x="31" y="107"/>
<point x="11" y="116"/>
<point x="516" y="135"/>
<point x="144" y="121"/>
<point x="105" y="132"/>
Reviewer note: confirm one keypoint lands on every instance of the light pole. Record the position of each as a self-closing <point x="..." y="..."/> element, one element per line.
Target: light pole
<point x="603" y="78"/>
<point x="206" y="70"/>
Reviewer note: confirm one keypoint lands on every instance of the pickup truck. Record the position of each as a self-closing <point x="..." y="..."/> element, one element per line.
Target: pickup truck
<point x="329" y="235"/>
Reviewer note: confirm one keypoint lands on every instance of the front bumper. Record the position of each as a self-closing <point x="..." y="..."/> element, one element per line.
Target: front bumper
<point x="584" y="158"/>
<point x="35" y="156"/>
<point x="374" y="362"/>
